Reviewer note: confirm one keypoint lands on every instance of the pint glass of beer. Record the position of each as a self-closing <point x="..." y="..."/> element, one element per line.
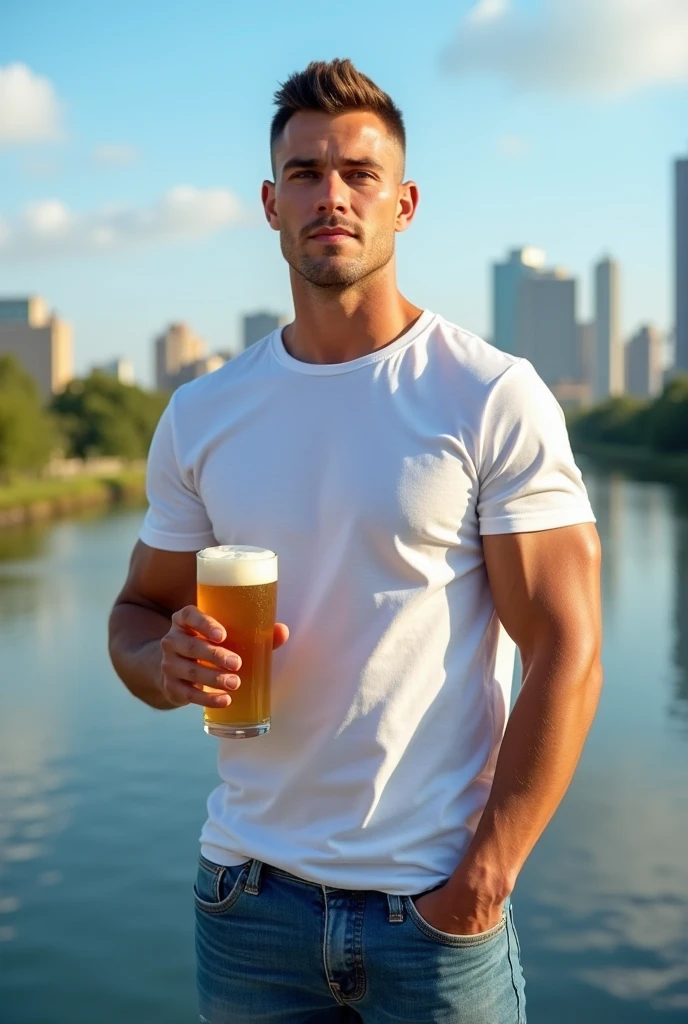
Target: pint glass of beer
<point x="237" y="585"/>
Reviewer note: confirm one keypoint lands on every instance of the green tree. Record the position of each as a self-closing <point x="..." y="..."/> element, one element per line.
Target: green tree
<point x="101" y="416"/>
<point x="668" y="420"/>
<point x="622" y="420"/>
<point x="26" y="434"/>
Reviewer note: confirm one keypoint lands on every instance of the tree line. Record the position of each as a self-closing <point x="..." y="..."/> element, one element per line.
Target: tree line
<point x="660" y="425"/>
<point x="94" y="416"/>
<point x="100" y="416"/>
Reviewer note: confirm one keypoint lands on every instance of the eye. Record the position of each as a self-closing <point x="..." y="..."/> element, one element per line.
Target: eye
<point x="363" y="174"/>
<point x="304" y="174"/>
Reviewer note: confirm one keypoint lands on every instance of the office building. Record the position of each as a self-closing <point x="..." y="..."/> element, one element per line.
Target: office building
<point x="644" y="372"/>
<point x="257" y="325"/>
<point x="586" y="352"/>
<point x="608" y="361"/>
<point x="572" y="394"/>
<point x="681" y="262"/>
<point x="121" y="369"/>
<point x="506" y="278"/>
<point x="40" y="341"/>
<point x="534" y="312"/>
<point x="30" y="310"/>
<point x="198" y="368"/>
<point x="546" y="326"/>
<point x="178" y="346"/>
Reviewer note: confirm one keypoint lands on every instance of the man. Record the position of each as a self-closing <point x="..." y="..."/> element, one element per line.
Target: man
<point x="418" y="487"/>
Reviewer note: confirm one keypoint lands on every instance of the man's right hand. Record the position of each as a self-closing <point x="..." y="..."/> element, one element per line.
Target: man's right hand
<point x="196" y="637"/>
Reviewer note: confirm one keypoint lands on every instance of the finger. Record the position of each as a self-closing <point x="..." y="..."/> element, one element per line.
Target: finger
<point x="182" y="693"/>
<point x="280" y="635"/>
<point x="192" y="618"/>
<point x="185" y="645"/>
<point x="175" y="667"/>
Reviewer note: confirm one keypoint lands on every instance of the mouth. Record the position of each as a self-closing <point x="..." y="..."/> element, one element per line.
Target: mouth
<point x="331" y="235"/>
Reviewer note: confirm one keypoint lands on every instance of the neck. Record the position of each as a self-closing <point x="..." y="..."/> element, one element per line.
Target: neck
<point x="332" y="326"/>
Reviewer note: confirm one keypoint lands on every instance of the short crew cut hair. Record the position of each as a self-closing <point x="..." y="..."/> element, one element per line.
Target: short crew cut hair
<point x="334" y="87"/>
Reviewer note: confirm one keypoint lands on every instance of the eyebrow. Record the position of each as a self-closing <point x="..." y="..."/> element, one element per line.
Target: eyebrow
<point x="307" y="163"/>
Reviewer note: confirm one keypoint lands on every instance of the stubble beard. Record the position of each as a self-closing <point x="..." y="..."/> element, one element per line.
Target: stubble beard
<point x="323" y="272"/>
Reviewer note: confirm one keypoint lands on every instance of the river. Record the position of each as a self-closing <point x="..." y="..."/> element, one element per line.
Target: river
<point x="102" y="799"/>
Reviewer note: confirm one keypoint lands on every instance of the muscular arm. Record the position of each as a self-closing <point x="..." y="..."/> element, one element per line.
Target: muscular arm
<point x="546" y="590"/>
<point x="158" y="584"/>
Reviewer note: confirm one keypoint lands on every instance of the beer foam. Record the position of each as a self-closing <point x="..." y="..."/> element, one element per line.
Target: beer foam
<point x="236" y="565"/>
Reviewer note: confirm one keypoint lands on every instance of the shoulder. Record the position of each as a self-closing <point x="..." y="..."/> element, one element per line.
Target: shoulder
<point x="475" y="377"/>
<point x="474" y="359"/>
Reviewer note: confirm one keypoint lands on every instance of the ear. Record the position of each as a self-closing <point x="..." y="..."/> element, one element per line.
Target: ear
<point x="407" y="204"/>
<point x="267" y="195"/>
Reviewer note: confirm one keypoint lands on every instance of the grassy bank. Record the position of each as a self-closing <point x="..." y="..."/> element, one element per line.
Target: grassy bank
<point x="641" y="462"/>
<point x="27" y="500"/>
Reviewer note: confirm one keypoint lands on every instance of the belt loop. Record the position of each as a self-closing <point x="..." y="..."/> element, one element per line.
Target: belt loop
<point x="253" y="880"/>
<point x="396" y="908"/>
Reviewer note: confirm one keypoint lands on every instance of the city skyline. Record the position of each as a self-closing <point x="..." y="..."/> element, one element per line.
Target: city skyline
<point x="130" y="207"/>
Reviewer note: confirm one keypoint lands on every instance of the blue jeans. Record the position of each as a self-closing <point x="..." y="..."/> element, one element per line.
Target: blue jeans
<point x="272" y="948"/>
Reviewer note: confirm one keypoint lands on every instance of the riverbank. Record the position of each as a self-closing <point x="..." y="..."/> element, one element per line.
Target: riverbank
<point x="28" y="501"/>
<point x="643" y="463"/>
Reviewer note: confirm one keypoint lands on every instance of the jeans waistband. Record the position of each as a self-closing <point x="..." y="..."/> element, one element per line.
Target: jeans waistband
<point x="395" y="904"/>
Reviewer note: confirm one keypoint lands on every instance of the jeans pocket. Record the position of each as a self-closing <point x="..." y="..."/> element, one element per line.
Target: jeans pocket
<point x="217" y="888"/>
<point x="446" y="938"/>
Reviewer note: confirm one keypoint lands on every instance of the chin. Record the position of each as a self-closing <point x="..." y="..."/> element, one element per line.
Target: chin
<point x="331" y="272"/>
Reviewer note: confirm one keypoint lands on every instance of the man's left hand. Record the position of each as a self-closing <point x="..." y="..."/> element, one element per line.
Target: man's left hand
<point x="458" y="911"/>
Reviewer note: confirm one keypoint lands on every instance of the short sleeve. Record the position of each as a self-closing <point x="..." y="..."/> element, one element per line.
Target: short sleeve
<point x="176" y="519"/>
<point x="528" y="477"/>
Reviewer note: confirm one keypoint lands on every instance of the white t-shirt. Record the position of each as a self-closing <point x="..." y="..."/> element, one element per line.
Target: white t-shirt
<point x="373" y="480"/>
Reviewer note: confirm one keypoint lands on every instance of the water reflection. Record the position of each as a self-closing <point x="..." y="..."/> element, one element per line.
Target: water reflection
<point x="18" y="596"/>
<point x="606" y="497"/>
<point x="680" y="703"/>
<point x="23" y="541"/>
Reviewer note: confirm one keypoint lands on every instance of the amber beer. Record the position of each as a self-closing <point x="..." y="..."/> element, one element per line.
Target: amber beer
<point x="237" y="585"/>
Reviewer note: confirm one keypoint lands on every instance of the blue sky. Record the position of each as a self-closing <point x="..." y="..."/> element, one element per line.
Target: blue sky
<point x="133" y="143"/>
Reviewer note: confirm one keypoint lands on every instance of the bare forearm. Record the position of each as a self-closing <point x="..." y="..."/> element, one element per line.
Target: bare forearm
<point x="135" y="635"/>
<point x="542" y="745"/>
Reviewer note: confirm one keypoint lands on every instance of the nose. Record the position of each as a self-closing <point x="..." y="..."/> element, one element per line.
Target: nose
<point x="332" y="195"/>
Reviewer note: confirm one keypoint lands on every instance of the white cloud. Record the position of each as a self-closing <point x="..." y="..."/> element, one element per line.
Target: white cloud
<point x="512" y="146"/>
<point x="29" y="108"/>
<point x="487" y="10"/>
<point x="48" y="229"/>
<point x="50" y="218"/>
<point x="115" y="155"/>
<point x="594" y="47"/>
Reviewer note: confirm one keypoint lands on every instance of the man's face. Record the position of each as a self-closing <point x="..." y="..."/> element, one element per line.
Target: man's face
<point x="336" y="197"/>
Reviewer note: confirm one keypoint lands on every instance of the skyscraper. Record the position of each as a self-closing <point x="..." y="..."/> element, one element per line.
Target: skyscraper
<point x="644" y="373"/>
<point x="175" y="348"/>
<point x="506" y="278"/>
<point x="681" y="262"/>
<point x="586" y="351"/>
<point x="121" y="369"/>
<point x="535" y="315"/>
<point x="257" y="325"/>
<point x="608" y="362"/>
<point x="39" y="340"/>
<point x="546" y="327"/>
